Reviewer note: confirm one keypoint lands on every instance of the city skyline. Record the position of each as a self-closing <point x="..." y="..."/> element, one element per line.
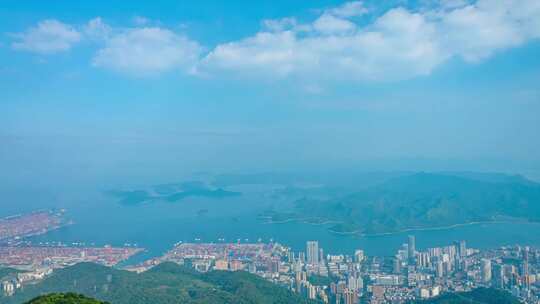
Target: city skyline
<point x="351" y="277"/>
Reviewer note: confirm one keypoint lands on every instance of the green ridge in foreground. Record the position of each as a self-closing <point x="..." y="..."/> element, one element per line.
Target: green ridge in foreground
<point x="167" y="283"/>
<point x="477" y="296"/>
<point x="64" y="298"/>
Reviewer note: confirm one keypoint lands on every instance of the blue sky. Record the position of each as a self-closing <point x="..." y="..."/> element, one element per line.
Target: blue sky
<point x="165" y="86"/>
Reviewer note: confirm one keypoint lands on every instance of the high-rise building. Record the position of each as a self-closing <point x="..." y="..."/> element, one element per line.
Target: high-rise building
<point x="341" y="286"/>
<point x="411" y="247"/>
<point x="526" y="278"/>
<point x="290" y="256"/>
<point x="406" y="251"/>
<point x="423" y="259"/>
<point x="359" y="255"/>
<point x="439" y="269"/>
<point x="486" y="270"/>
<point x="312" y="252"/>
<point x="350" y="297"/>
<point x="456" y="245"/>
<point x="302" y="257"/>
<point x="448" y="267"/>
<point x="355" y="283"/>
<point x="462" y="248"/>
<point x="498" y="276"/>
<point x="397" y="265"/>
<point x="312" y="292"/>
<point x="360" y="283"/>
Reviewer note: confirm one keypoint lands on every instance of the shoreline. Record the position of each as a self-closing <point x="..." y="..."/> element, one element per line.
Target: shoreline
<point x="267" y="220"/>
<point x="447" y="227"/>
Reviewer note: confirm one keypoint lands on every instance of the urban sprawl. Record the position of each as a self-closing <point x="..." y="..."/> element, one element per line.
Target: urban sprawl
<point x="411" y="274"/>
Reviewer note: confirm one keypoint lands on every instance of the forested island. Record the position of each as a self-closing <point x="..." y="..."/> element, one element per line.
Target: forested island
<point x="420" y="201"/>
<point x="173" y="192"/>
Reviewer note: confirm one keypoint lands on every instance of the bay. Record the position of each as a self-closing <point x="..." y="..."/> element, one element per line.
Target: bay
<point x="157" y="226"/>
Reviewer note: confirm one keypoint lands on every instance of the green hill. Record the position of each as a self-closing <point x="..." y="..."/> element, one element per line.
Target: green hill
<point x="165" y="283"/>
<point x="477" y="296"/>
<point x="426" y="200"/>
<point x="64" y="298"/>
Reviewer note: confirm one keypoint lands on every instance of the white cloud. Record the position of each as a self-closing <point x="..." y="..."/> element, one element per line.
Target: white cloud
<point x="400" y="44"/>
<point x="444" y="4"/>
<point x="97" y="29"/>
<point x="475" y="32"/>
<point x="144" y="51"/>
<point x="451" y="4"/>
<point x="329" y="24"/>
<point x="49" y="36"/>
<point x="275" y="53"/>
<point x="349" y="9"/>
<point x="276" y="25"/>
<point x="140" y="20"/>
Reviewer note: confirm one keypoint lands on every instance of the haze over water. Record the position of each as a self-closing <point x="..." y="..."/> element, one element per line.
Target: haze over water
<point x="101" y="220"/>
<point x="95" y="97"/>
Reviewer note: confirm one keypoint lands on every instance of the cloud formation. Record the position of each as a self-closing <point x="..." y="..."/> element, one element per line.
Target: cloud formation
<point x="399" y="44"/>
<point x="97" y="29"/>
<point x="148" y="50"/>
<point x="49" y="36"/>
<point x="340" y="43"/>
<point x="475" y="32"/>
<point x="348" y="9"/>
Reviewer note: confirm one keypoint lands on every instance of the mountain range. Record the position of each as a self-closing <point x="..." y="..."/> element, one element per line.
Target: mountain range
<point x="423" y="201"/>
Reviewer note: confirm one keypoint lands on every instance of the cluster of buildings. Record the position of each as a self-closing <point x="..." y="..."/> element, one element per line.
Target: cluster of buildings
<point x="32" y="257"/>
<point x="36" y="263"/>
<point x="17" y="227"/>
<point x="15" y="281"/>
<point x="409" y="275"/>
<point x="265" y="257"/>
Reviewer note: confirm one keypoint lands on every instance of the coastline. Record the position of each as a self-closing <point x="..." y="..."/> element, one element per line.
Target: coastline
<point x="268" y="220"/>
<point x="445" y="227"/>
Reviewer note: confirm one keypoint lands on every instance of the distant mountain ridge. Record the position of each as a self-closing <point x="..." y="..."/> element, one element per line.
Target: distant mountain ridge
<point x="427" y="200"/>
<point x="166" y="283"/>
<point x="491" y="177"/>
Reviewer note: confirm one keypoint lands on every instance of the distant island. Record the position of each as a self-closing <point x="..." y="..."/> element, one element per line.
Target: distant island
<point x="420" y="201"/>
<point x="170" y="193"/>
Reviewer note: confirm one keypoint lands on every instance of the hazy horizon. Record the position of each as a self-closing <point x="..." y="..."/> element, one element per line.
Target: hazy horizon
<point x="92" y="93"/>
